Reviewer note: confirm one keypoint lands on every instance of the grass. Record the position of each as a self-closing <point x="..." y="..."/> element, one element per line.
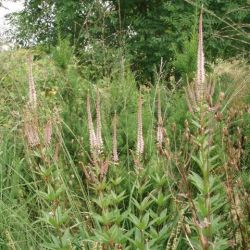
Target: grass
<point x="191" y="191"/>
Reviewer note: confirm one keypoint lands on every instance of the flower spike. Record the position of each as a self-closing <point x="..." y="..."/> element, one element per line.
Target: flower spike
<point x="140" y="141"/>
<point x="200" y="76"/>
<point x="115" y="154"/>
<point x="99" y="141"/>
<point x="32" y="89"/>
<point x="92" y="136"/>
<point x="159" y="136"/>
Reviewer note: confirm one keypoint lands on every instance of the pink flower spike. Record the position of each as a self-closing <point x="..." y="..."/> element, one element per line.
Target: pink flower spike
<point x="200" y="76"/>
<point x="140" y="141"/>
<point x="32" y="89"/>
<point x="159" y="135"/>
<point x="92" y="136"/>
<point x="99" y="140"/>
<point x="115" y="154"/>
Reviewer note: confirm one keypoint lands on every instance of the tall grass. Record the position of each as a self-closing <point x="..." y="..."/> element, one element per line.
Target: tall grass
<point x="108" y="166"/>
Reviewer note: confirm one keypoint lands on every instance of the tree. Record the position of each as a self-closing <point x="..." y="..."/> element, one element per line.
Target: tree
<point x="146" y="30"/>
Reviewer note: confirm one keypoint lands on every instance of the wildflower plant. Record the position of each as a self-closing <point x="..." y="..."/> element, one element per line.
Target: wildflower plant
<point x="205" y="207"/>
<point x="114" y="166"/>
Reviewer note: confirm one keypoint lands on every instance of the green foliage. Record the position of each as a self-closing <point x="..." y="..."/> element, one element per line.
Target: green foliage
<point x="196" y="185"/>
<point x="209" y="198"/>
<point x="62" y="53"/>
<point x="144" y="31"/>
<point x="186" y="61"/>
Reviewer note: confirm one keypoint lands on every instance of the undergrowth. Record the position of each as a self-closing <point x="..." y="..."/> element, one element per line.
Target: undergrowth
<point x="112" y="165"/>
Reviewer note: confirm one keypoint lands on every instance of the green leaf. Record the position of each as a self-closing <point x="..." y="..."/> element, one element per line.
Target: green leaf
<point x="197" y="181"/>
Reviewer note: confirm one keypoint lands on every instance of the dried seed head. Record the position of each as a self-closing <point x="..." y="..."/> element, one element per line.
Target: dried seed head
<point x="140" y="140"/>
<point x="32" y="89"/>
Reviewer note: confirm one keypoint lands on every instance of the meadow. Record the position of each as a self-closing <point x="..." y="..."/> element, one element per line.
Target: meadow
<point x="119" y="165"/>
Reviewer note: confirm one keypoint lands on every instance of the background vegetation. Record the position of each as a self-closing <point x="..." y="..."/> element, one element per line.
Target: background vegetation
<point x="142" y="31"/>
